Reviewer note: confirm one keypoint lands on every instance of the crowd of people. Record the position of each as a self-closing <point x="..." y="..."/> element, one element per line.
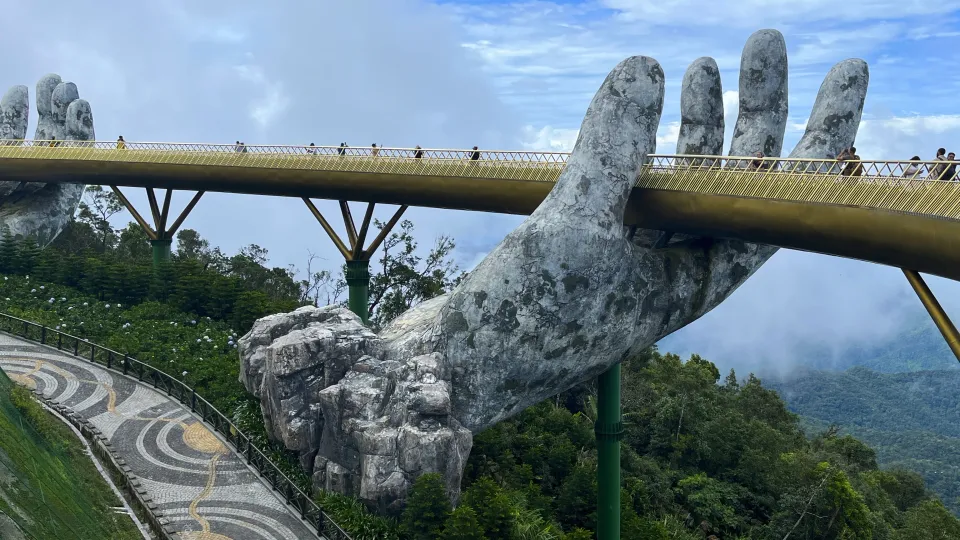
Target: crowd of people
<point x="944" y="166"/>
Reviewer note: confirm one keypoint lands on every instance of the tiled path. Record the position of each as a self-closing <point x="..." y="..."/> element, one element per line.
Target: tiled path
<point x="198" y="484"/>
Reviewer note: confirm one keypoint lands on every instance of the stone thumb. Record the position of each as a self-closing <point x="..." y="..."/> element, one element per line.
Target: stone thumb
<point x="618" y="132"/>
<point x="14" y="113"/>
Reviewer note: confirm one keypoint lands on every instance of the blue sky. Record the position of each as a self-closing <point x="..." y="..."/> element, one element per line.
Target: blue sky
<point x="499" y="75"/>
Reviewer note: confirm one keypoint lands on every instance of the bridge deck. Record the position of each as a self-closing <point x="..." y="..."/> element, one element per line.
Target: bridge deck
<point x="889" y="214"/>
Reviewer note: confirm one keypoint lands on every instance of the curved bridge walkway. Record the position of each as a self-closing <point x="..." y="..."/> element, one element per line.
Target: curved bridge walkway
<point x="200" y="486"/>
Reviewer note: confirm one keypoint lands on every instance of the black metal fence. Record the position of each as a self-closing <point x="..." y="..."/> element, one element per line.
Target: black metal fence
<point x="122" y="363"/>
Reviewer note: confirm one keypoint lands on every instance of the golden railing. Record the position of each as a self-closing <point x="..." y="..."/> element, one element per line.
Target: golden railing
<point x="495" y="164"/>
<point x="918" y="187"/>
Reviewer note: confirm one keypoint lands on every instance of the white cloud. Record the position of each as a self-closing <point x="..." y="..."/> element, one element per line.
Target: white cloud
<point x="549" y="139"/>
<point x="754" y="14"/>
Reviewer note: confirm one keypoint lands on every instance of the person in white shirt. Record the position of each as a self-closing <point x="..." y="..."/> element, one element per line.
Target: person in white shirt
<point x="912" y="169"/>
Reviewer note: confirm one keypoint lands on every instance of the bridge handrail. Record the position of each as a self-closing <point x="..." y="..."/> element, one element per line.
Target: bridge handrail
<point x="112" y="360"/>
<point x="529" y="156"/>
<point x="304" y="150"/>
<point x="908" y="186"/>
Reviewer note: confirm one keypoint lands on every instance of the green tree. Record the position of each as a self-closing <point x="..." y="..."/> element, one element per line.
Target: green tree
<point x="462" y="525"/>
<point x="427" y="508"/>
<point x="133" y="244"/>
<point x="929" y="520"/>
<point x="47" y="265"/>
<point x="403" y="279"/>
<point x="96" y="208"/>
<point x="494" y="511"/>
<point x="9" y="248"/>
<point x="28" y="254"/>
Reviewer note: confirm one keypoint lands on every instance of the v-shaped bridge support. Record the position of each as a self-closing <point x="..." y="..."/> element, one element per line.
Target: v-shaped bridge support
<point x="357" y="258"/>
<point x="161" y="238"/>
<point x="936" y="311"/>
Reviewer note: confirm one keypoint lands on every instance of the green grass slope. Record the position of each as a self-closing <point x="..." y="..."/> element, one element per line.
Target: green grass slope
<point x="49" y="488"/>
<point x="912" y="420"/>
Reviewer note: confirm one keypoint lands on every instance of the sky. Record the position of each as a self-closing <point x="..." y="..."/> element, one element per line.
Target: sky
<point x="504" y="75"/>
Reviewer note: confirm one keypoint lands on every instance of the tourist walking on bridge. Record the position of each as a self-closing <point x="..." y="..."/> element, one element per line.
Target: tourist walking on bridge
<point x="374" y="151"/>
<point x="935" y="171"/>
<point x="312" y="149"/>
<point x="475" y="156"/>
<point x="950" y="168"/>
<point x="419" y="152"/>
<point x="342" y="149"/>
<point x="913" y="168"/>
<point x="121" y="144"/>
<point x="852" y="167"/>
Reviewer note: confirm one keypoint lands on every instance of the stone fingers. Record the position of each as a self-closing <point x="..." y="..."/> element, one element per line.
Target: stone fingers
<point x="701" y="110"/>
<point x="836" y="113"/>
<point x="617" y="134"/>
<point x="762" y="119"/>
<point x="46" y="124"/>
<point x="79" y="123"/>
<point x="14" y="115"/>
<point x="68" y="118"/>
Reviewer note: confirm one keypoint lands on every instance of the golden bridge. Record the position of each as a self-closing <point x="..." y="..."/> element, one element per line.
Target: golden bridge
<point x="888" y="212"/>
<point x="892" y="213"/>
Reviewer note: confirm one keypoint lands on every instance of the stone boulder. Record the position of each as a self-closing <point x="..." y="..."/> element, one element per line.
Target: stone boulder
<point x="325" y="385"/>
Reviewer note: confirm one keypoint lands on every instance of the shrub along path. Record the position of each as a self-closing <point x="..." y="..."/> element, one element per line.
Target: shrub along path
<point x="199" y="485"/>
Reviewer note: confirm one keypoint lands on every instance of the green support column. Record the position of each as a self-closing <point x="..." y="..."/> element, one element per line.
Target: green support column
<point x="609" y="430"/>
<point x="161" y="251"/>
<point x="358" y="284"/>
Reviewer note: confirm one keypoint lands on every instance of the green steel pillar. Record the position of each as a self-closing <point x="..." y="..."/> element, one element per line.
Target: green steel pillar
<point x="609" y="431"/>
<point x="161" y="251"/>
<point x="358" y="285"/>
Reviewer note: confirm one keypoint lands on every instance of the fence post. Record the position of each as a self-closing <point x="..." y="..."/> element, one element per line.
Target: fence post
<point x="59" y="341"/>
<point x="193" y="400"/>
<point x="24" y="328"/>
<point x="109" y="359"/>
<point x="43" y="335"/>
<point x="93" y="353"/>
<point x="126" y="363"/>
<point x="76" y="346"/>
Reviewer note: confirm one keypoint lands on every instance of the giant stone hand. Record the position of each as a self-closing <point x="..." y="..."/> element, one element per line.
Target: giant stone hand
<point x="34" y="208"/>
<point x="564" y="297"/>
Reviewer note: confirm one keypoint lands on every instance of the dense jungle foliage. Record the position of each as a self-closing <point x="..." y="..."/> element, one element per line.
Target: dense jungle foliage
<point x="911" y="419"/>
<point x="701" y="458"/>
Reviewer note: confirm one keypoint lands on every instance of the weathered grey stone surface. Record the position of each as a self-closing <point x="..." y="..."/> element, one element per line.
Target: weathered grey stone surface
<point x="14" y="115"/>
<point x="562" y="298"/>
<point x="763" y="96"/>
<point x="701" y="110"/>
<point x="35" y="208"/>
<point x="46" y="125"/>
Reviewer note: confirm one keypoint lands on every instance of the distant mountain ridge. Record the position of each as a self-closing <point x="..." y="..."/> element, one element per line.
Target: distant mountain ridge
<point x="911" y="419"/>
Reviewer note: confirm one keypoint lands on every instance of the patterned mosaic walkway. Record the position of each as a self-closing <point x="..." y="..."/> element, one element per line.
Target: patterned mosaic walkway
<point x="198" y="484"/>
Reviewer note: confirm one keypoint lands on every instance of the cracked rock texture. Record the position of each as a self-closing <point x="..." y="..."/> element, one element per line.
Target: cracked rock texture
<point x="35" y="208"/>
<point x="564" y="297"/>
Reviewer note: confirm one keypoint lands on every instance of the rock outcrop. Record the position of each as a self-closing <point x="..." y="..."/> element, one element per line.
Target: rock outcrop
<point x="564" y="297"/>
<point x="35" y="208"/>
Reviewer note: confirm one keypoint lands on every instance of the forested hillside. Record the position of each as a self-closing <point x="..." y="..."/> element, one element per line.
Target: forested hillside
<point x="918" y="346"/>
<point x="700" y="457"/>
<point x="911" y="419"/>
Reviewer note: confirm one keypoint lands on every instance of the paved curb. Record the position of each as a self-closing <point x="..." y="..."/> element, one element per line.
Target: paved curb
<point x="169" y="533"/>
<point x="112" y="460"/>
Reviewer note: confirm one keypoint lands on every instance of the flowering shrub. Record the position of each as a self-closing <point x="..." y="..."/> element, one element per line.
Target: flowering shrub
<point x="200" y="351"/>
